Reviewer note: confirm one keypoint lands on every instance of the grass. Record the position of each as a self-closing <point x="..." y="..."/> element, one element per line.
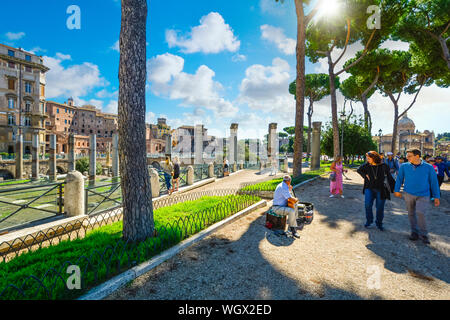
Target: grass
<point x="101" y="253"/>
<point x="272" y="184"/>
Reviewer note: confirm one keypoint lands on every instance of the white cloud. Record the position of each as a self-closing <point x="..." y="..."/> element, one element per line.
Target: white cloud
<point x="35" y="50"/>
<point x="196" y="90"/>
<point x="265" y="88"/>
<point x="238" y="57"/>
<point x="213" y="35"/>
<point x="395" y="45"/>
<point x="276" y="36"/>
<point x="272" y="7"/>
<point x="111" y="107"/>
<point x="75" y="80"/>
<point x="15" y="36"/>
<point x="102" y="94"/>
<point x="115" y="46"/>
<point x="150" y="117"/>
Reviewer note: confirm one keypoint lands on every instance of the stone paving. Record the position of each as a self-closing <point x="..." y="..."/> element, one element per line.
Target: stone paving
<point x="335" y="257"/>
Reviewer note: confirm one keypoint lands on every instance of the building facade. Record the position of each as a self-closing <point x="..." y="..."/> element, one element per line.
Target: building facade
<point x="408" y="137"/>
<point x="66" y="118"/>
<point x="22" y="99"/>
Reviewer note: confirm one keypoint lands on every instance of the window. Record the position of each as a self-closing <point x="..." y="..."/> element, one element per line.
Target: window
<point x="41" y="107"/>
<point x="27" y="57"/>
<point x="69" y="121"/>
<point x="11" y="120"/>
<point x="28" y="69"/>
<point x="27" y="87"/>
<point x="57" y="110"/>
<point x="27" y="107"/>
<point x="10" y="53"/>
<point x="12" y="65"/>
<point x="27" y="121"/>
<point x="65" y="121"/>
<point x="90" y="131"/>
<point x="82" y="130"/>
<point x="11" y="84"/>
<point x="11" y="103"/>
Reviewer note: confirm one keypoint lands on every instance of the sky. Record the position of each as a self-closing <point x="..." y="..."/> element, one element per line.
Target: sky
<point x="208" y="62"/>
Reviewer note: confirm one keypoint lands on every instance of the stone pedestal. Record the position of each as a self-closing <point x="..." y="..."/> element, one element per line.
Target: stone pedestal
<point x="74" y="202"/>
<point x="315" y="152"/>
<point x="52" y="161"/>
<point x="154" y="182"/>
<point x="190" y="175"/>
<point x="35" y="157"/>
<point x="234" y="167"/>
<point x="169" y="146"/>
<point x="211" y="170"/>
<point x="272" y="143"/>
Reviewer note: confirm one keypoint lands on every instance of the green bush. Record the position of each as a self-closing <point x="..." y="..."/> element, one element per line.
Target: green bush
<point x="82" y="165"/>
<point x="103" y="246"/>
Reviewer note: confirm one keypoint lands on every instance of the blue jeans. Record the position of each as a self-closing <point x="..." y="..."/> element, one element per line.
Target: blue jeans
<point x="167" y="177"/>
<point x="370" y="196"/>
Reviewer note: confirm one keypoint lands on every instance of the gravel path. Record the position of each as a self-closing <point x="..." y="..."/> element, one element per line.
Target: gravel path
<point x="335" y="258"/>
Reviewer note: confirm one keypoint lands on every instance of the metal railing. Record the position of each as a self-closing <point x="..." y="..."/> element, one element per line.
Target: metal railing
<point x="117" y="255"/>
<point x="103" y="197"/>
<point x="31" y="203"/>
<point x="200" y="172"/>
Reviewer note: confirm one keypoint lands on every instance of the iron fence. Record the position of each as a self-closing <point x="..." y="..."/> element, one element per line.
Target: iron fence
<point x="103" y="197"/>
<point x="119" y="255"/>
<point x="31" y="203"/>
<point x="200" y="172"/>
<point x="218" y="170"/>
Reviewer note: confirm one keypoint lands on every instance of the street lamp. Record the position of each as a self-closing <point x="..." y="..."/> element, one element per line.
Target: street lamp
<point x="379" y="140"/>
<point x="342" y="117"/>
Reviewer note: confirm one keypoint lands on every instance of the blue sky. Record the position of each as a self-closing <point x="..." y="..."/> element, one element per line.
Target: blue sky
<point x="212" y="62"/>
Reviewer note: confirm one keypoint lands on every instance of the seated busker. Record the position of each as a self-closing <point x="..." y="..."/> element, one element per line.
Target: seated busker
<point x="281" y="198"/>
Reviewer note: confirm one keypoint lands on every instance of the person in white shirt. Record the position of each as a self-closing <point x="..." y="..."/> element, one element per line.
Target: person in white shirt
<point x="280" y="204"/>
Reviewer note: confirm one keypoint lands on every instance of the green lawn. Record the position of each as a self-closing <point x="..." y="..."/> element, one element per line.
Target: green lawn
<point x="102" y="253"/>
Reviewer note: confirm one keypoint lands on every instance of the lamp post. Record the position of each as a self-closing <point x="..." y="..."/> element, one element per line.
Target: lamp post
<point x="379" y="140"/>
<point x="342" y="117"/>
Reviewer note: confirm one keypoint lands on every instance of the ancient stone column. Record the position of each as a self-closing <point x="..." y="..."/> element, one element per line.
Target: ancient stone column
<point x="92" y="158"/>
<point x="74" y="202"/>
<point x="35" y="157"/>
<point x="272" y="142"/>
<point x="19" y="156"/>
<point x="71" y="165"/>
<point x="198" y="144"/>
<point x="315" y="152"/>
<point x="233" y="151"/>
<point x="169" y="145"/>
<point x="52" y="161"/>
<point x="115" y="155"/>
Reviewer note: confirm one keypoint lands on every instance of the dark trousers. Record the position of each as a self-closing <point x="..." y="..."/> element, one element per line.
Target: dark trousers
<point x="372" y="195"/>
<point x="440" y="180"/>
<point x="167" y="177"/>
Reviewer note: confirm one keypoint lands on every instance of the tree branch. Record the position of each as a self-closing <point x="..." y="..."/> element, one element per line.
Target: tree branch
<point x="445" y="30"/>
<point x="373" y="83"/>
<point x="313" y="12"/>
<point x="414" y="101"/>
<point x="359" y="59"/>
<point x="346" y="43"/>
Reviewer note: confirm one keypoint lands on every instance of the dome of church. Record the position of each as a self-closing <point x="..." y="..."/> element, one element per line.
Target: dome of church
<point x="406" y="123"/>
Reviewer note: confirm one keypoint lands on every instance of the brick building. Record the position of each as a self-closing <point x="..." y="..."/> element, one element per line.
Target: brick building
<point x="66" y="118"/>
<point x="22" y="98"/>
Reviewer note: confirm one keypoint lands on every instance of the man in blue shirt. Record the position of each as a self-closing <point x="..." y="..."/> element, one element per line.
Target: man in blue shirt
<point x="442" y="170"/>
<point x="420" y="183"/>
<point x="280" y="201"/>
<point x="392" y="163"/>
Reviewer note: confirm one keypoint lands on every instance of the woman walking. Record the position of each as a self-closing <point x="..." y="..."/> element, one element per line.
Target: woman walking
<point x="176" y="174"/>
<point x="336" y="186"/>
<point x="376" y="188"/>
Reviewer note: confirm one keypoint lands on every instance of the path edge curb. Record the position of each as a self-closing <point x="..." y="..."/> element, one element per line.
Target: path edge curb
<point x="113" y="284"/>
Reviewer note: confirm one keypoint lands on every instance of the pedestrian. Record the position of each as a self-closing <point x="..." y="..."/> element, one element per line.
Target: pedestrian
<point x="420" y="183"/>
<point x="336" y="185"/>
<point x="432" y="161"/>
<point x="442" y="170"/>
<point x="392" y="163"/>
<point x="375" y="174"/>
<point x="176" y="174"/>
<point x="168" y="173"/>
<point x="281" y="198"/>
<point x="226" y="168"/>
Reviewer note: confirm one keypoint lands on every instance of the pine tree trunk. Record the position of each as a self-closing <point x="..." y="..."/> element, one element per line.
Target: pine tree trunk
<point x="395" y="129"/>
<point x="334" y="117"/>
<point x="300" y="89"/>
<point x="138" y="221"/>
<point x="367" y="117"/>
<point x="310" y="113"/>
